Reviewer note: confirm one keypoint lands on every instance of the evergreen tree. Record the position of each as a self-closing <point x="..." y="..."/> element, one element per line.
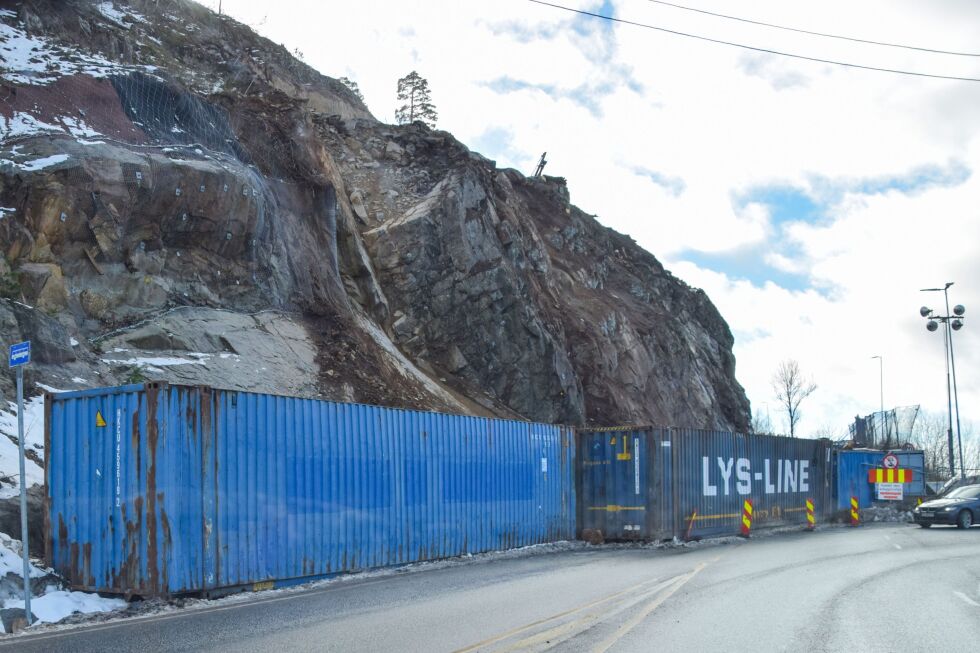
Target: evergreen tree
<point x="413" y="90"/>
<point x="352" y="85"/>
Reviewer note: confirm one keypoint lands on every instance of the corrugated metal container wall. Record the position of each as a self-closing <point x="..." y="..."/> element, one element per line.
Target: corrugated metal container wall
<point x="852" y="475"/>
<point x="623" y="483"/>
<point x="644" y="483"/>
<point x="188" y="489"/>
<point x="714" y="472"/>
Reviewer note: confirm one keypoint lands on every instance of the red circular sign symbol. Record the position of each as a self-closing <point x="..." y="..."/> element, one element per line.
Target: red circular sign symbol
<point x="890" y="461"/>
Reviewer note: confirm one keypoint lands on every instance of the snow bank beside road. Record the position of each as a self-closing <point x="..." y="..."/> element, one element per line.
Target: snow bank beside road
<point x="52" y="604"/>
<point x="57" y="604"/>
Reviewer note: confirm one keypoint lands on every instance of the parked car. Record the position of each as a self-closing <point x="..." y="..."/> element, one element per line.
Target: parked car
<point x="960" y="506"/>
<point x="957" y="481"/>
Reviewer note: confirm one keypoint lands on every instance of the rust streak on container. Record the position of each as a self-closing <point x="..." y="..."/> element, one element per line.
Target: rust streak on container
<point x="75" y="574"/>
<point x="87" y="564"/>
<point x="167" y="541"/>
<point x="152" y="562"/>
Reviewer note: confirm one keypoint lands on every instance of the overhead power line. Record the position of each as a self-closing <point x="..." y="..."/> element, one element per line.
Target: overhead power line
<point x="813" y="33"/>
<point x="753" y="48"/>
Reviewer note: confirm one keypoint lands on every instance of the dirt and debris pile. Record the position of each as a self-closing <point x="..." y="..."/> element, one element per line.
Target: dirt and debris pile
<point x="182" y="199"/>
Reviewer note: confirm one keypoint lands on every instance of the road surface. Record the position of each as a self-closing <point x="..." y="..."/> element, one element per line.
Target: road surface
<point x="876" y="588"/>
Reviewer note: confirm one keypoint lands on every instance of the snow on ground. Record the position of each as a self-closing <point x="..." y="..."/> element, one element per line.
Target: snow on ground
<point x="154" y="363"/>
<point x="34" y="440"/>
<point x="57" y="604"/>
<point x="40" y="164"/>
<point x="10" y="560"/>
<point x="111" y="13"/>
<point x="54" y="604"/>
<point x="23" y="124"/>
<point x="31" y="59"/>
<point x="121" y="18"/>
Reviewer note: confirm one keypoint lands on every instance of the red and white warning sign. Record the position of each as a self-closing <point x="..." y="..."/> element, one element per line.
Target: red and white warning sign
<point x="890" y="461"/>
<point x="890" y="491"/>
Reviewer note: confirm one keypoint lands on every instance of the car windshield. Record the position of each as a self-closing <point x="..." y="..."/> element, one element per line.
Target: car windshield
<point x="967" y="492"/>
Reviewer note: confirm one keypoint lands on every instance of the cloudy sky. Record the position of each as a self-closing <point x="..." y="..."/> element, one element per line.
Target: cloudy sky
<point x="811" y="201"/>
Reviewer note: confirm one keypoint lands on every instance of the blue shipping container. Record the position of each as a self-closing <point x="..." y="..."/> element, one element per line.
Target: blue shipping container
<point x="852" y="475"/>
<point x="159" y="489"/>
<point x="645" y="483"/>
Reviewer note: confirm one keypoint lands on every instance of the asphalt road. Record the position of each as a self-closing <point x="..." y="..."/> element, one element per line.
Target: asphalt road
<point x="884" y="588"/>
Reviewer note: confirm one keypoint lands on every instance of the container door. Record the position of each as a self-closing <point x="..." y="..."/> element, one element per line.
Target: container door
<point x="613" y="485"/>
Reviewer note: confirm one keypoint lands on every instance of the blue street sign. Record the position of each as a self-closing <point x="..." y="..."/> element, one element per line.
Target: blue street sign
<point x="20" y="354"/>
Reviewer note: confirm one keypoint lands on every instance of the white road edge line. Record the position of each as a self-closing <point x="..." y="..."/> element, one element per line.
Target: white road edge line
<point x="967" y="599"/>
<point x="897" y="546"/>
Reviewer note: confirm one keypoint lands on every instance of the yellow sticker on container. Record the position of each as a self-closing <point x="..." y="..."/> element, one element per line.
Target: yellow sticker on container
<point x="99" y="420"/>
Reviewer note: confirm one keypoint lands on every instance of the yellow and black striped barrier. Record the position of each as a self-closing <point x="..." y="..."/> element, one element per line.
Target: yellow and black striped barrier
<point x="890" y="475"/>
<point x="811" y="521"/>
<point x="855" y="515"/>
<point x="747" y="517"/>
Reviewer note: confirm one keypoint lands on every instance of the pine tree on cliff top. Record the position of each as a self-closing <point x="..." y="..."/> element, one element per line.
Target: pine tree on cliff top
<point x="413" y="90"/>
<point x="352" y="85"/>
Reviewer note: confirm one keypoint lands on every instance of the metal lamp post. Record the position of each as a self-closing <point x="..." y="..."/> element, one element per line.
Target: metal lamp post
<point x="881" y="390"/>
<point x="951" y="322"/>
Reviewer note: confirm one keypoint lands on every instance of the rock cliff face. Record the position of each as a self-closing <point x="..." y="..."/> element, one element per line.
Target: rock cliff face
<point x="182" y="199"/>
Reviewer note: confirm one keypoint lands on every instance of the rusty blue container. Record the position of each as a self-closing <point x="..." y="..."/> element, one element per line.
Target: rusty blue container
<point x="157" y="489"/>
<point x="646" y="483"/>
<point x="852" y="475"/>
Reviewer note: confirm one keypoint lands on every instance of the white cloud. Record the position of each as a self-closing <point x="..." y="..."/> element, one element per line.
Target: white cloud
<point x="722" y="121"/>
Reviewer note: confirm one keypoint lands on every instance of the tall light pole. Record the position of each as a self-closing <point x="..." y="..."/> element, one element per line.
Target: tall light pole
<point x="951" y="322"/>
<point x="881" y="390"/>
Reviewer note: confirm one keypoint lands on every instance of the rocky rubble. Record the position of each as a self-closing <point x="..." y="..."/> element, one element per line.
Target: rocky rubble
<point x="215" y="201"/>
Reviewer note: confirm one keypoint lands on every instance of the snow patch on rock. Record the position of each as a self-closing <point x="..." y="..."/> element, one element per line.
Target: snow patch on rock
<point x="33" y="440"/>
<point x="34" y="60"/>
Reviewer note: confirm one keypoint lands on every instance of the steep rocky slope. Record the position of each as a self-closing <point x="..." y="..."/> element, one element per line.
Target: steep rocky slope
<point x="182" y="199"/>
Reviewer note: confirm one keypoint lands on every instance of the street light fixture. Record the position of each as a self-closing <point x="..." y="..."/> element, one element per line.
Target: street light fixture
<point x="951" y="322"/>
<point x="881" y="390"/>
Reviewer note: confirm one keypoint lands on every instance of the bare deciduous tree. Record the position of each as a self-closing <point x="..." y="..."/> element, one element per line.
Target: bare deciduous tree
<point x="931" y="436"/>
<point x="760" y="424"/>
<point x="791" y="389"/>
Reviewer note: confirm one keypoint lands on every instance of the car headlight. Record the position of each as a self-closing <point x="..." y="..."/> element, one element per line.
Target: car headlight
<point x="949" y="508"/>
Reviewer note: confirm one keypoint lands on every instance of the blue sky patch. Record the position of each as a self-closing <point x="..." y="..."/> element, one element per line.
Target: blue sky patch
<point x="746" y="263"/>
<point x="523" y="33"/>
<point x="587" y="96"/>
<point x="785" y="203"/>
<point x="673" y="185"/>
<point x="915" y="181"/>
<point x="585" y="25"/>
<point x="498" y="143"/>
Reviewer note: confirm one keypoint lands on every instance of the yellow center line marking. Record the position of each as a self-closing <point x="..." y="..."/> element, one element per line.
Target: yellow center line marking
<point x="534" y="624"/>
<point x="650" y="607"/>
<point x="560" y="633"/>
